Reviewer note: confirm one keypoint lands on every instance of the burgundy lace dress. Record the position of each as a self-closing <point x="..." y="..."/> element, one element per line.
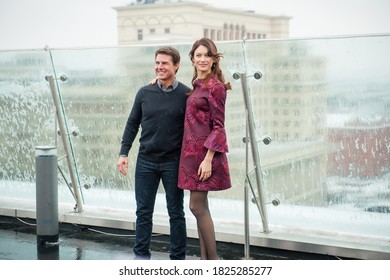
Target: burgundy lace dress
<point x="204" y="128"/>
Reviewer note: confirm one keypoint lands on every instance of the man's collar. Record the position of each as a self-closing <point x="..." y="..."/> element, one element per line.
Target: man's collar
<point x="170" y="88"/>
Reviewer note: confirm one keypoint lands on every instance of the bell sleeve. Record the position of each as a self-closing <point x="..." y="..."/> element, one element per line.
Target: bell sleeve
<point x="217" y="140"/>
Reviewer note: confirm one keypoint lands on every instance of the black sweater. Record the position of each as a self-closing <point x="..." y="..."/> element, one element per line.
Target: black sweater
<point x="161" y="117"/>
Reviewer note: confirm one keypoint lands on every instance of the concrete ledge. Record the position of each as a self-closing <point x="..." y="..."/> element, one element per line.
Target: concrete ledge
<point x="326" y="243"/>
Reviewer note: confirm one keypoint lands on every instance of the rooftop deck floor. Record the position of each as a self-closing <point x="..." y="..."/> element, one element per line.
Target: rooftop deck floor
<point x="18" y="241"/>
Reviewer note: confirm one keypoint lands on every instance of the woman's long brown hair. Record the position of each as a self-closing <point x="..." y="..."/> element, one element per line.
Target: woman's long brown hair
<point x="212" y="52"/>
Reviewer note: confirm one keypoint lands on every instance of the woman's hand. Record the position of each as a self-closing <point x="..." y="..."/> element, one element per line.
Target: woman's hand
<point x="205" y="170"/>
<point x="152" y="82"/>
<point x="205" y="167"/>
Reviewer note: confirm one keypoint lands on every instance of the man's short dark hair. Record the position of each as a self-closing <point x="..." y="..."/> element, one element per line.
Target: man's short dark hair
<point x="174" y="53"/>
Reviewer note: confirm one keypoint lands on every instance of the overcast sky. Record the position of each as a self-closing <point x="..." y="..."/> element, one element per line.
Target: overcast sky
<point x="26" y="24"/>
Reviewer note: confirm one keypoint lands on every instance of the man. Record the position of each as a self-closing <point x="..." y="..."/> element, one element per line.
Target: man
<point x="159" y="109"/>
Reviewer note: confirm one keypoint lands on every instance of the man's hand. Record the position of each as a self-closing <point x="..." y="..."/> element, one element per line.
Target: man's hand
<point x="123" y="165"/>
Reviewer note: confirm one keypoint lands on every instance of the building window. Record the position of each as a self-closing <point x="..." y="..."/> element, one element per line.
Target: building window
<point x="206" y="33"/>
<point x="140" y="35"/>
<point x="225" y="32"/>
<point x="212" y="34"/>
<point x="219" y="35"/>
<point x="243" y="31"/>
<point x="167" y="30"/>
<point x="152" y="31"/>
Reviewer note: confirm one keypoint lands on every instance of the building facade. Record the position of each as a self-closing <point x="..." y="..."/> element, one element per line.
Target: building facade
<point x="359" y="149"/>
<point x="181" y="22"/>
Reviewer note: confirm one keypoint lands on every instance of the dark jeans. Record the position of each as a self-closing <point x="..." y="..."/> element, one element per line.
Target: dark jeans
<point x="147" y="178"/>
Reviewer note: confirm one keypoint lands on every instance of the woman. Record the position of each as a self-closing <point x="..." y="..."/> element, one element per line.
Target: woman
<point x="203" y="162"/>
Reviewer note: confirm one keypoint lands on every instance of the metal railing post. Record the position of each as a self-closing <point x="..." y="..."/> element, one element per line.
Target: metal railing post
<point x="66" y="144"/>
<point x="251" y="138"/>
<point x="246" y="193"/>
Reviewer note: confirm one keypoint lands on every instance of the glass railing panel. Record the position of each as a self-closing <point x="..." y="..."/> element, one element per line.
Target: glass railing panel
<point x="324" y="103"/>
<point x="97" y="99"/>
<point x="27" y="119"/>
